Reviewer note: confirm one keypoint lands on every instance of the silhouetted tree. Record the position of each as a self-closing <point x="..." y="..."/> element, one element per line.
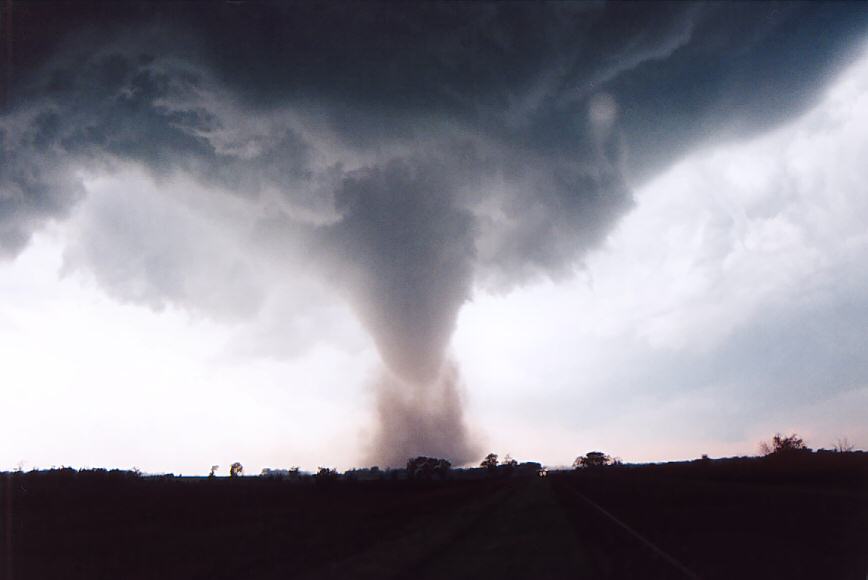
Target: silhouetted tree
<point x="441" y="468"/>
<point x="427" y="467"/>
<point x="781" y="445"/>
<point x="236" y="470"/>
<point x="490" y="462"/>
<point x="325" y="476"/>
<point x="278" y="473"/>
<point x="213" y="471"/>
<point x="592" y="459"/>
<point x="508" y="464"/>
<point x="843" y="445"/>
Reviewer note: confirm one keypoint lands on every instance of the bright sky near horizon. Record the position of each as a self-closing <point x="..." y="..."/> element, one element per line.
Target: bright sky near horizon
<point x="727" y="305"/>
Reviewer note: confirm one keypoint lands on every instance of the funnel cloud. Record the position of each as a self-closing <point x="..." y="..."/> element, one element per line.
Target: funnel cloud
<point x="405" y="154"/>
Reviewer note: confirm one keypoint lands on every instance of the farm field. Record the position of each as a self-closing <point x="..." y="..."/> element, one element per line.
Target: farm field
<point x="720" y="519"/>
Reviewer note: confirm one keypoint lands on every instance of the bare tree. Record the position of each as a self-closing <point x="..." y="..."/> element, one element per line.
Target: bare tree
<point x="843" y="445"/>
<point x="509" y="464"/>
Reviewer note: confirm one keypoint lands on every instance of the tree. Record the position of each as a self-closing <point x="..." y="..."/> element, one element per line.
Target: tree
<point x="781" y="445"/>
<point x="325" y="476"/>
<point x="427" y="467"/>
<point x="213" y="471"/>
<point x="236" y="470"/>
<point x="843" y="445"/>
<point x="509" y="464"/>
<point x="490" y="462"/>
<point x="592" y="459"/>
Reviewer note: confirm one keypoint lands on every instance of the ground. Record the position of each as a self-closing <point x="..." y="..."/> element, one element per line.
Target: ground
<point x="726" y="519"/>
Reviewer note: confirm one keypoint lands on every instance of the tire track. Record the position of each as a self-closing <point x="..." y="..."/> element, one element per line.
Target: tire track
<point x="630" y="557"/>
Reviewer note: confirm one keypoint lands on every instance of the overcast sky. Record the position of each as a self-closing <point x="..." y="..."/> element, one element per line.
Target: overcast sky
<point x="360" y="232"/>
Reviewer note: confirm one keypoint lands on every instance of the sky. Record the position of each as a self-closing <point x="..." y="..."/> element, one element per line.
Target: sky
<point x="358" y="233"/>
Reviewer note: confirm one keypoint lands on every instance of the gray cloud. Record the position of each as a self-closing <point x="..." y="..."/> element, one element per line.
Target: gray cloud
<point x="405" y="153"/>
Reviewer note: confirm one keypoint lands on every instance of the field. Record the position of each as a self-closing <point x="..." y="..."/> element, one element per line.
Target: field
<point x="739" y="518"/>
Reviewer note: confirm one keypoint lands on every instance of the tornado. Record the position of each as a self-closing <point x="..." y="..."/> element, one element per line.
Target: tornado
<point x="405" y="257"/>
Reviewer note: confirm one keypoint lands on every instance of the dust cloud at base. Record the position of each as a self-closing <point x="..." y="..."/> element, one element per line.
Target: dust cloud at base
<point x="421" y="419"/>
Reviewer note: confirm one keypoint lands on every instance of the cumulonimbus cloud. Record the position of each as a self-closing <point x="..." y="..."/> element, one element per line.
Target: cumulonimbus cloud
<point x="407" y="152"/>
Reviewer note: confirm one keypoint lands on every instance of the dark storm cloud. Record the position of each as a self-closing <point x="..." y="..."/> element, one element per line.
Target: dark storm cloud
<point x="416" y="149"/>
<point x="516" y="78"/>
<point x="746" y="68"/>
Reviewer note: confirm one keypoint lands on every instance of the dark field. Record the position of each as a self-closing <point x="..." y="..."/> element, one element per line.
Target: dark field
<point x="740" y="518"/>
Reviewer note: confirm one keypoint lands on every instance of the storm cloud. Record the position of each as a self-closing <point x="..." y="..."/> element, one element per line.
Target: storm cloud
<point x="404" y="154"/>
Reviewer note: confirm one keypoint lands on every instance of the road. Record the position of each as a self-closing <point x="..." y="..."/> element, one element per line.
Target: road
<point x="527" y="529"/>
